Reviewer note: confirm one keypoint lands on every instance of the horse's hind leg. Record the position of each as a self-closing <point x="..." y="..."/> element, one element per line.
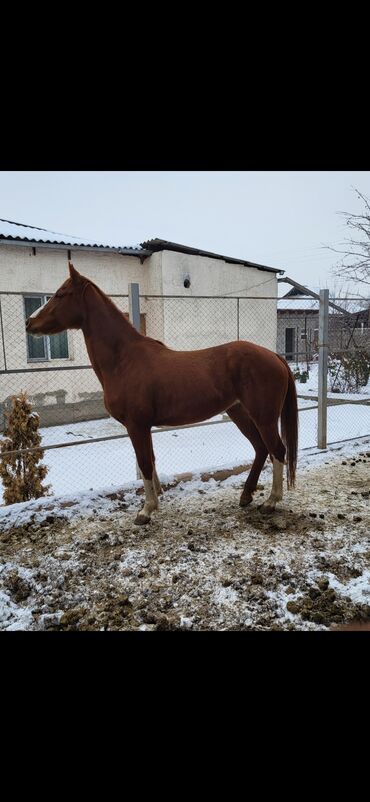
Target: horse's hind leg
<point x="142" y="443"/>
<point x="156" y="481"/>
<point x="276" y="449"/>
<point x="239" y="415"/>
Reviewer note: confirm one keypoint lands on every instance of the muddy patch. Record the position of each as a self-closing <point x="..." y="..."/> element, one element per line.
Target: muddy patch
<point x="203" y="563"/>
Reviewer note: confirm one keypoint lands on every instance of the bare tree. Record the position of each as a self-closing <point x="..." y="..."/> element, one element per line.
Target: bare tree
<point x="354" y="265"/>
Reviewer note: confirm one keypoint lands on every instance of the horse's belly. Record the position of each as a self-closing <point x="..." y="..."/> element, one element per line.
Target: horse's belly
<point x="193" y="411"/>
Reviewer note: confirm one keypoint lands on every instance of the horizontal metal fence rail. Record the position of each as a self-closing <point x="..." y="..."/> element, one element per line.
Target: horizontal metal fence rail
<point x="45" y="370"/>
<point x="155" y="430"/>
<point x="229" y="315"/>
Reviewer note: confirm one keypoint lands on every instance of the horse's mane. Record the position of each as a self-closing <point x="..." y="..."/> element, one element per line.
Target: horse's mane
<point x="107" y="298"/>
<point x="100" y="292"/>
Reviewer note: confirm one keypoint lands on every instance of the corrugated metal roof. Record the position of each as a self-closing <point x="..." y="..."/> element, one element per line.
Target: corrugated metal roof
<point x="166" y="245"/>
<point x="17" y="231"/>
<point x="299" y="301"/>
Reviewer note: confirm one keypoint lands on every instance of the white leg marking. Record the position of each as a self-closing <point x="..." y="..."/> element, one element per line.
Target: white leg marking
<point x="157" y="484"/>
<point x="277" y="485"/>
<point x="151" y="498"/>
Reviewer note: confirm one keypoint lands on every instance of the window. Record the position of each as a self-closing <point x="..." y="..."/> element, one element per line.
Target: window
<point x="51" y="346"/>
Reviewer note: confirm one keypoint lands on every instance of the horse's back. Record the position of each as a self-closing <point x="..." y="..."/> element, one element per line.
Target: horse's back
<point x="237" y="363"/>
<point x="237" y="350"/>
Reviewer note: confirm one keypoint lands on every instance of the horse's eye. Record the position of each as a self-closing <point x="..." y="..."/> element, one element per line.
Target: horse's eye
<point x="58" y="295"/>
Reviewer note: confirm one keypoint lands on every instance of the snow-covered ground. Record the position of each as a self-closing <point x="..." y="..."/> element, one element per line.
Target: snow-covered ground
<point x="75" y="501"/>
<point x="79" y="562"/>
<point x="310" y="387"/>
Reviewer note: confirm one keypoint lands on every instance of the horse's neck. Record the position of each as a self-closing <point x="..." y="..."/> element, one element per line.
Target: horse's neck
<point x="108" y="335"/>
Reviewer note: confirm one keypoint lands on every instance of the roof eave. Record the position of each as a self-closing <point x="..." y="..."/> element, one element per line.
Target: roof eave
<point x="141" y="253"/>
<point x="165" y="245"/>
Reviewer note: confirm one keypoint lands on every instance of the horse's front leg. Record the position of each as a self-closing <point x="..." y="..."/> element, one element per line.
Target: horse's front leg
<point x="142" y="443"/>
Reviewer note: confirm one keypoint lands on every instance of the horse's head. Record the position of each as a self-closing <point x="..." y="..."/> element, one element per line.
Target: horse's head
<point x="63" y="311"/>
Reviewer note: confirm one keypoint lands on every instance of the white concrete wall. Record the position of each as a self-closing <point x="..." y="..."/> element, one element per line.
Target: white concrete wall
<point x="183" y="323"/>
<point x="199" y="324"/>
<point x="153" y="309"/>
<point x="213" y="276"/>
<point x="20" y="271"/>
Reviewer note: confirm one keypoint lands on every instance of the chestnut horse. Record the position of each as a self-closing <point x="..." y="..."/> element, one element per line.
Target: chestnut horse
<point x="147" y="384"/>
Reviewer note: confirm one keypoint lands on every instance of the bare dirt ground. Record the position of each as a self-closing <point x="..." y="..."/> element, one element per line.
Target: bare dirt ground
<point x="203" y="563"/>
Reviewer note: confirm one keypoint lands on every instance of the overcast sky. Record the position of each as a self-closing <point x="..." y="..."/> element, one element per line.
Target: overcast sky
<point x="281" y="219"/>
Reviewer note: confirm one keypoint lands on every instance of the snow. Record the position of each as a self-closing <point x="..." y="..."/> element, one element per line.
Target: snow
<point x="12" y="616"/>
<point x="227" y="544"/>
<point x="108" y="466"/>
<point x="185" y="623"/>
<point x="81" y="503"/>
<point x="311" y="385"/>
<point x="224" y="596"/>
<point x="308" y="302"/>
<point x="298" y="303"/>
<point x="11" y="230"/>
<point x="357" y="589"/>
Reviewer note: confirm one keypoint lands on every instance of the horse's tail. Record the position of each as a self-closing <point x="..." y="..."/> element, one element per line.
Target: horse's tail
<point x="289" y="426"/>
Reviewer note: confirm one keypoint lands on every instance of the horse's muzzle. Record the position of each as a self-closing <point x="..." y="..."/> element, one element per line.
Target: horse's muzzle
<point x="29" y="328"/>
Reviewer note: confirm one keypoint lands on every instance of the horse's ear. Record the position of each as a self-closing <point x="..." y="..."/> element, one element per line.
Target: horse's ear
<point x="74" y="274"/>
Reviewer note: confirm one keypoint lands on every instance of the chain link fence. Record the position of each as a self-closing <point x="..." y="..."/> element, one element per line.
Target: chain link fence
<point x="86" y="449"/>
<point x="347" y="340"/>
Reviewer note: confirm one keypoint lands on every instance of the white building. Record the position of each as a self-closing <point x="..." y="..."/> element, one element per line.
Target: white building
<point x="189" y="298"/>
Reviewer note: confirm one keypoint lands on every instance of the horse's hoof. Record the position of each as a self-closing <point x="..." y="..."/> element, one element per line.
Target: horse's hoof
<point x="141" y="520"/>
<point x="245" y="500"/>
<point x="266" y="509"/>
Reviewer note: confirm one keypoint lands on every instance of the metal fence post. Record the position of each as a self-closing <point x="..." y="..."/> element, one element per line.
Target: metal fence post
<point x="323" y="369"/>
<point x="2" y="335"/>
<point x="134" y="305"/>
<point x="134" y="316"/>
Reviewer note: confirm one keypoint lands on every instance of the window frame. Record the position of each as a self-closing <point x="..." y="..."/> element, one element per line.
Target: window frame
<point x="44" y="297"/>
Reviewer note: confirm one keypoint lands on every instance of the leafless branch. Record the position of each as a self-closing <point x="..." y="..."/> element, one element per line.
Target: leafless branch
<point x="354" y="266"/>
